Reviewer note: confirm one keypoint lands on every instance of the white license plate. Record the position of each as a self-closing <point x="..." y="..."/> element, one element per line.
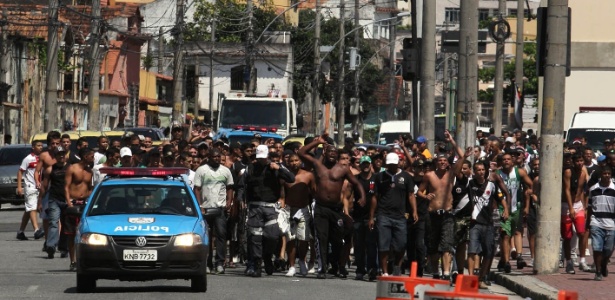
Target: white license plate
<point x="140" y="255"/>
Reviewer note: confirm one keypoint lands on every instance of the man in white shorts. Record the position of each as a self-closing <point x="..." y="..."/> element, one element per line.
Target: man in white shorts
<point x="30" y="191"/>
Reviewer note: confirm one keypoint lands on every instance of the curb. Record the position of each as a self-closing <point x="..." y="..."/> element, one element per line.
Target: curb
<point x="525" y="285"/>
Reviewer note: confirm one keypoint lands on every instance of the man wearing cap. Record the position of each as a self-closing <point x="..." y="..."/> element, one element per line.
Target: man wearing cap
<point x="213" y="186"/>
<point x="421" y="143"/>
<point x="126" y="157"/>
<point x="415" y="241"/>
<point x="168" y="156"/>
<point x="365" y="239"/>
<point x="57" y="199"/>
<point x="394" y="187"/>
<point x="261" y="187"/>
<point x="329" y="207"/>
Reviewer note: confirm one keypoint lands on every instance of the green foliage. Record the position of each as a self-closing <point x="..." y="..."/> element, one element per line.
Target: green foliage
<point x="486" y="74"/>
<point x="231" y="21"/>
<point x="484" y="24"/>
<point x="148" y="61"/>
<point x="38" y="48"/>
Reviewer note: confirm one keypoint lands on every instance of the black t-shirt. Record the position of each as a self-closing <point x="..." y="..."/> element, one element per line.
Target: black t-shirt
<point x="57" y="182"/>
<point x="369" y="186"/>
<point x="393" y="192"/>
<point x="483" y="196"/>
<point x="462" y="205"/>
<point x="422" y="204"/>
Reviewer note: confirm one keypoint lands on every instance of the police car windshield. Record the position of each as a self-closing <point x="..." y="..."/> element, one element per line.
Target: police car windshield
<point x="142" y="199"/>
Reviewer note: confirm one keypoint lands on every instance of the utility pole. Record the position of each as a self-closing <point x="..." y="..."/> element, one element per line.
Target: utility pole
<point x="498" y="83"/>
<point x="3" y="70"/>
<point x="211" y="70"/>
<point x="446" y="89"/>
<point x="392" y="34"/>
<point x="357" y="41"/>
<point x="316" y="80"/>
<point x="197" y="103"/>
<point x="178" y="62"/>
<point x="468" y="73"/>
<point x="428" y="70"/>
<point x="519" y="53"/>
<point x="251" y="84"/>
<point x="51" y="85"/>
<point x="93" y="92"/>
<point x="551" y="148"/>
<point x="340" y="79"/>
<point x="160" y="51"/>
<point x="414" y="114"/>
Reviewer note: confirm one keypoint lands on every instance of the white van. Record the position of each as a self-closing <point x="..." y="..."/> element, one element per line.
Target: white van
<point x="391" y="130"/>
<point x="596" y="124"/>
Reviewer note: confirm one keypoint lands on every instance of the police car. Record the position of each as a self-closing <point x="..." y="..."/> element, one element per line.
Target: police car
<point x="142" y="224"/>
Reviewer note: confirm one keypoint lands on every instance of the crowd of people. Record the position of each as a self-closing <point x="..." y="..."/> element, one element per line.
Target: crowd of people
<point x="302" y="208"/>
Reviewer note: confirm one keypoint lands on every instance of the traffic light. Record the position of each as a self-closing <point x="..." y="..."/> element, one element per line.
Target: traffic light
<point x="411" y="64"/>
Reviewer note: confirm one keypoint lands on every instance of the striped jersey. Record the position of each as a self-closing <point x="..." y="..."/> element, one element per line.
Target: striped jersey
<point x="602" y="201"/>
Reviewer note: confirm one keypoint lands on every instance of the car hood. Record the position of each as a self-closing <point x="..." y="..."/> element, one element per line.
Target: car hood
<point x="9" y="171"/>
<point x="129" y="225"/>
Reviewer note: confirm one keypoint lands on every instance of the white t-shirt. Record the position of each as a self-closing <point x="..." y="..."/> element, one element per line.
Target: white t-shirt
<point x="97" y="177"/>
<point x="28" y="165"/>
<point x="213" y="185"/>
<point x="99" y="158"/>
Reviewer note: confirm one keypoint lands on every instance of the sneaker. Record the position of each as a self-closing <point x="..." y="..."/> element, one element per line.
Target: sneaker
<point x="250" y="272"/>
<point x="561" y="264"/>
<point x="501" y="265"/>
<point x="373" y="274"/>
<point x="584" y="267"/>
<point x="321" y="275"/>
<point x="21" y="236"/>
<point x="587" y="252"/>
<point x="385" y="275"/>
<point x="570" y="268"/>
<point x="359" y="277"/>
<point x="513" y="253"/>
<point x="598" y="277"/>
<point x="219" y="270"/>
<point x="343" y="273"/>
<point x="507" y="268"/>
<point x="531" y="264"/>
<point x="45" y="246"/>
<point x="50" y="252"/>
<point x="269" y="267"/>
<point x="258" y="272"/>
<point x="291" y="272"/>
<point x="482" y="285"/>
<point x="575" y="261"/>
<point x="454" y="277"/>
<point x="312" y="270"/>
<point x="73" y="267"/>
<point x="446" y="277"/>
<point x="208" y="270"/>
<point x="63" y="254"/>
<point x="396" y="271"/>
<point x="521" y="263"/>
<point x="476" y="272"/>
<point x="39" y="233"/>
<point x="303" y="271"/>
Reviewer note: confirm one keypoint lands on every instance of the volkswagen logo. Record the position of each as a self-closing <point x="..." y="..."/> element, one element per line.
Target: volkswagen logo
<point x="141" y="241"/>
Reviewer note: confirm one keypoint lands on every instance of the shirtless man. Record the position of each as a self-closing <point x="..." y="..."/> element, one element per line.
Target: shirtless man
<point x="41" y="176"/>
<point x="298" y="198"/>
<point x="329" y="210"/>
<point x="437" y="187"/>
<point x="77" y="188"/>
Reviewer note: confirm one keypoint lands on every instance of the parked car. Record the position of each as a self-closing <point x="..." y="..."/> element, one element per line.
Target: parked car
<point x="10" y="159"/>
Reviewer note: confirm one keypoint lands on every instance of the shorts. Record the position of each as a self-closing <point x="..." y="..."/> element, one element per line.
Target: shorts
<point x="512" y="224"/>
<point x="481" y="240"/>
<point x="567" y="222"/>
<point x="300" y="222"/>
<point x="442" y="235"/>
<point x="603" y="241"/>
<point x="31" y="198"/>
<point x="391" y="234"/>
<point x="462" y="229"/>
<point x="70" y="222"/>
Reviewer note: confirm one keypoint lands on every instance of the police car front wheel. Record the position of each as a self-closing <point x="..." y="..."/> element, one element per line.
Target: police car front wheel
<point x="85" y="283"/>
<point x="198" y="283"/>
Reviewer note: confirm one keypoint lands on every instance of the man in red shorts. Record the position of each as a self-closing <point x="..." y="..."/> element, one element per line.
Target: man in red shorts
<point x="573" y="206"/>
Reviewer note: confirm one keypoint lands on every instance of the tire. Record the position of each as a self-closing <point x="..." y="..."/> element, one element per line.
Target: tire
<point x="198" y="284"/>
<point x="85" y="284"/>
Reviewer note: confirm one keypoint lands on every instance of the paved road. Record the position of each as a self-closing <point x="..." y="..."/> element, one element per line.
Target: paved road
<point x="25" y="272"/>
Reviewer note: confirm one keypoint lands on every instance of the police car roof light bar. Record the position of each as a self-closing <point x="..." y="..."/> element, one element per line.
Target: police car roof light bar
<point x="151" y="172"/>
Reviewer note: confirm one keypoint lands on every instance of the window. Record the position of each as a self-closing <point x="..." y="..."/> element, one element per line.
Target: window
<point x="452" y="14"/>
<point x="513" y="13"/>
<point x="484" y="14"/>
<point x="237" y="78"/>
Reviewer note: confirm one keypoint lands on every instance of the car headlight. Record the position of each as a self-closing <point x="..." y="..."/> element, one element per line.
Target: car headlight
<point x="94" y="239"/>
<point x="188" y="239"/>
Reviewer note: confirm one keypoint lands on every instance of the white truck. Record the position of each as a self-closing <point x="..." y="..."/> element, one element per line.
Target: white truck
<point x="595" y="124"/>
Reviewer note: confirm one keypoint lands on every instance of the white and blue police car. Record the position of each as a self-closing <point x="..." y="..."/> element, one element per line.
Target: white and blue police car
<point x="142" y="224"/>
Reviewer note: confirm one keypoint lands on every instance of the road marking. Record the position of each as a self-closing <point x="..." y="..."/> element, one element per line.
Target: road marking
<point x="31" y="289"/>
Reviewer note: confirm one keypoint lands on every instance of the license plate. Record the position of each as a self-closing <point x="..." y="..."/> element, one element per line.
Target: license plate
<point x="140" y="255"/>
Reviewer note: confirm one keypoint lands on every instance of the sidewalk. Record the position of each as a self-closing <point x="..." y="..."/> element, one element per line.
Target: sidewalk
<point x="538" y="287"/>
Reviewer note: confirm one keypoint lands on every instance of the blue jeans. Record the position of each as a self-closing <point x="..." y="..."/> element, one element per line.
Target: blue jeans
<point x="55" y="210"/>
<point x="603" y="241"/>
<point x="365" y="247"/>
